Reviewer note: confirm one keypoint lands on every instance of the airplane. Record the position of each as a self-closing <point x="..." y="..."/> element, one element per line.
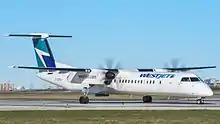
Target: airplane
<point x="147" y="82"/>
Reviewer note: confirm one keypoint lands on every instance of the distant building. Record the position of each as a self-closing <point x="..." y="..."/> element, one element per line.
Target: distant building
<point x="7" y="87"/>
<point x="217" y="84"/>
<point x="213" y="82"/>
<point x="54" y="87"/>
<point x="20" y="88"/>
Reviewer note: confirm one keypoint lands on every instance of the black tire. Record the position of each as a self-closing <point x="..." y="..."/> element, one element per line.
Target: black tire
<point x="147" y="99"/>
<point x="107" y="82"/>
<point x="200" y="101"/>
<point x="84" y="100"/>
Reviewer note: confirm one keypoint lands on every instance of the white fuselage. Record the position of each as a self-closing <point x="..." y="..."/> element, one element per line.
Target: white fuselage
<point x="131" y="82"/>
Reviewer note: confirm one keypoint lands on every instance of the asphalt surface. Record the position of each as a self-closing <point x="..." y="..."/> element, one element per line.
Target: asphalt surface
<point x="6" y="105"/>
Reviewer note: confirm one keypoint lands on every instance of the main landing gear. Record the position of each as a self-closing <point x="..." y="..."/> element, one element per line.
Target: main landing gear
<point x="147" y="99"/>
<point x="84" y="99"/>
<point x="200" y="100"/>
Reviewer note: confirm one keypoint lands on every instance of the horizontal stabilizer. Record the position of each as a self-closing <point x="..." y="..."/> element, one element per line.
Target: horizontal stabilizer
<point x="38" y="35"/>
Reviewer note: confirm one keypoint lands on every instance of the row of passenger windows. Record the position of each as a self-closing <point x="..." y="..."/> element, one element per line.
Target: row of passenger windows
<point x="136" y="81"/>
<point x="184" y="79"/>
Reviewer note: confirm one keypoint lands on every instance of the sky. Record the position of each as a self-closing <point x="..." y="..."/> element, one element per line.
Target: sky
<point x="138" y="33"/>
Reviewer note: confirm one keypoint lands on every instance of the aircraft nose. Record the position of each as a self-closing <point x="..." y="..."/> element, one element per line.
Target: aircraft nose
<point x="205" y="90"/>
<point x="209" y="92"/>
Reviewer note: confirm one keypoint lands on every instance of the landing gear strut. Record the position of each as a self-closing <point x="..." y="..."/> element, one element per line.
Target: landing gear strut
<point x="84" y="99"/>
<point x="200" y="100"/>
<point x="147" y="99"/>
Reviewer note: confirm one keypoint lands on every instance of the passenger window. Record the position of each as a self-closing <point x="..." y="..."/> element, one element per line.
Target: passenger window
<point x="131" y="81"/>
<point x="160" y="82"/>
<point x="125" y="81"/>
<point x="119" y="81"/>
<point x="185" y="79"/>
<point x="128" y="81"/>
<point x="141" y="81"/>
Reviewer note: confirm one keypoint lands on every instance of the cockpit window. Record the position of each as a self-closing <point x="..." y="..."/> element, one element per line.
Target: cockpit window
<point x="185" y="79"/>
<point x="190" y="79"/>
<point x="194" y="79"/>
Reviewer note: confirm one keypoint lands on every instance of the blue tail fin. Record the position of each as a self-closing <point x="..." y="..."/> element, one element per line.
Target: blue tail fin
<point x="43" y="53"/>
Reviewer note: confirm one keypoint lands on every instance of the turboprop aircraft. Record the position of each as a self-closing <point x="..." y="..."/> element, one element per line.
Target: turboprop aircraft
<point x="146" y="82"/>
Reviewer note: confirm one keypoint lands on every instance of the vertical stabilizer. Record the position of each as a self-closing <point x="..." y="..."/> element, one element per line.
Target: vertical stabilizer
<point x="43" y="53"/>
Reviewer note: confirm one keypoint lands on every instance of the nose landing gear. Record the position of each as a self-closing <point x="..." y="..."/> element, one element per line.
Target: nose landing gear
<point x="200" y="100"/>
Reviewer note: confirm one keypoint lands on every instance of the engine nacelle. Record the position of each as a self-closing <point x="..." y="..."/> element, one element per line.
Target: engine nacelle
<point x="107" y="82"/>
<point x="110" y="75"/>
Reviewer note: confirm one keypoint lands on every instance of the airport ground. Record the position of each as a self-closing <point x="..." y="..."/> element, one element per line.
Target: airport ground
<point x="27" y="107"/>
<point x="65" y="95"/>
<point x="110" y="117"/>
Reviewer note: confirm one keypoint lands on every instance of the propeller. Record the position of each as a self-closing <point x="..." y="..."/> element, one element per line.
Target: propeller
<point x="110" y="64"/>
<point x="174" y="64"/>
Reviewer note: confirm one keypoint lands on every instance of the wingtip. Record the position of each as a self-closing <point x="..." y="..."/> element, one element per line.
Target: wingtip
<point x="5" y="35"/>
<point x="12" y="66"/>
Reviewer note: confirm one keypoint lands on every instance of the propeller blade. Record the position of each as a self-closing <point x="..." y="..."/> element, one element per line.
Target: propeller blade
<point x="166" y="65"/>
<point x="101" y="66"/>
<point x="118" y="65"/>
<point x="175" y="63"/>
<point x="183" y="66"/>
<point x="109" y="63"/>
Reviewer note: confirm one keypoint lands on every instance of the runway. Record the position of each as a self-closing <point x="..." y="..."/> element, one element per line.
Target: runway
<point x="8" y="105"/>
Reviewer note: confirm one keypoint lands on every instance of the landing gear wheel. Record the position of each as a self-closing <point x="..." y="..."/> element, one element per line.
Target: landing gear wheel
<point x="84" y="100"/>
<point x="147" y="99"/>
<point x="200" y="101"/>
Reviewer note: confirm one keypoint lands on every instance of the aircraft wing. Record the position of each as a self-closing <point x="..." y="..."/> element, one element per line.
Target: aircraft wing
<point x="61" y="69"/>
<point x="180" y="69"/>
<point x="189" y="68"/>
<point x="52" y="68"/>
<point x="114" y="70"/>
